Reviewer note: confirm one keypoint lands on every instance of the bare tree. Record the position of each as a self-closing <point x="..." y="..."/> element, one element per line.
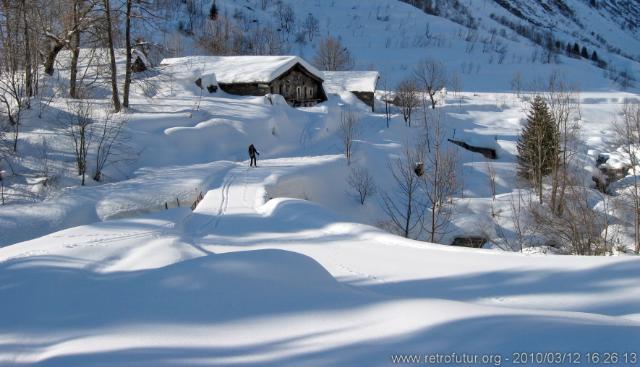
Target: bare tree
<point x="387" y="99"/>
<point x="628" y="130"/>
<point x="403" y="203"/>
<point x="26" y="9"/>
<point x="349" y="131"/>
<point x="79" y="128"/>
<point x="580" y="228"/>
<point x="109" y="141"/>
<point x="362" y="183"/>
<point x="311" y="26"/>
<point x="456" y="86"/>
<point x="407" y="98"/>
<point x="16" y="84"/>
<point x="332" y="55"/>
<point x="13" y="101"/>
<point x="519" y="218"/>
<point x="44" y="163"/>
<point x="3" y="156"/>
<point x="81" y="18"/>
<point x="440" y="180"/>
<point x="128" y="51"/>
<point x="141" y="11"/>
<point x="516" y="84"/>
<point x="286" y="15"/>
<point x="74" y="44"/>
<point x="13" y="95"/>
<point x="432" y="78"/>
<point x="114" y="71"/>
<point x="564" y="106"/>
<point x="267" y="41"/>
<point x="491" y="172"/>
<point x="549" y="49"/>
<point x="1" y="186"/>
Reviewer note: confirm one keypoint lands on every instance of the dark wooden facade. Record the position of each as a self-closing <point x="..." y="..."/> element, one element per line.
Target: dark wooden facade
<point x="298" y="86"/>
<point x="367" y="98"/>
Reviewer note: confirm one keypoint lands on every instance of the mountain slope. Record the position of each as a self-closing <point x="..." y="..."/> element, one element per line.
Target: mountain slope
<point x="484" y="42"/>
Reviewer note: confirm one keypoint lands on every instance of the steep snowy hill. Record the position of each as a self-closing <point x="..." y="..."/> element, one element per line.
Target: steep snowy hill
<point x="608" y="25"/>
<point x="484" y="43"/>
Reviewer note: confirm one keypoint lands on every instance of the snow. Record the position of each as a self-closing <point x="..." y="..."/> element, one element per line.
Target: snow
<point x="241" y="69"/>
<point x="209" y="80"/>
<point x="350" y="81"/>
<point x="284" y="282"/>
<point x="149" y="190"/>
<point x="280" y="265"/>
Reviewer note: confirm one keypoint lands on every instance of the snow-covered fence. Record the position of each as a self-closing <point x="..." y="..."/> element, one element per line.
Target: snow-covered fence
<point x="197" y="201"/>
<point x="193" y="206"/>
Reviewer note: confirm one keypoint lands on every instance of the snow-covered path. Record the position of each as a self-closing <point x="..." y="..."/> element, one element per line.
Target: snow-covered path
<point x="244" y="280"/>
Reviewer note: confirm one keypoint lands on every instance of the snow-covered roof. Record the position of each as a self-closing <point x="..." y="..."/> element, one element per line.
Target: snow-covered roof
<point x="242" y="69"/>
<point x="137" y="54"/>
<point x="351" y="81"/>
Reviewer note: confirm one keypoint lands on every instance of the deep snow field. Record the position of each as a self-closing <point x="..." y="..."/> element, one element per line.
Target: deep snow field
<point x="279" y="265"/>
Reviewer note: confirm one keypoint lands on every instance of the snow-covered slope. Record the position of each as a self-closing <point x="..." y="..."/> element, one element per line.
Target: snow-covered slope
<point x="484" y="42"/>
<point x="280" y="265"/>
<point x="241" y="282"/>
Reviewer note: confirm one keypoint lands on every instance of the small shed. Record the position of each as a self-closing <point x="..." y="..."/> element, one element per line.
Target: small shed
<point x="139" y="61"/>
<point x="361" y="83"/>
<point x="290" y="76"/>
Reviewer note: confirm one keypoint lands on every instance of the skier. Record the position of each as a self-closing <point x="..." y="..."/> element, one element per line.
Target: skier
<point x="252" y="154"/>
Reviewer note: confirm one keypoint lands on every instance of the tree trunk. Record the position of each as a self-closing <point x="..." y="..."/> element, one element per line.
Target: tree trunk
<point x="433" y="100"/>
<point x="51" y="57"/>
<point x="75" y="53"/>
<point x="636" y="202"/>
<point x="114" y="71"/>
<point x="28" y="74"/>
<point x="127" y="73"/>
<point x="408" y="220"/>
<point x="15" y="136"/>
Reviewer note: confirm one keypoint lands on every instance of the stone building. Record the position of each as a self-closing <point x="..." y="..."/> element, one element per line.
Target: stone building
<point x="361" y="83"/>
<point x="290" y="76"/>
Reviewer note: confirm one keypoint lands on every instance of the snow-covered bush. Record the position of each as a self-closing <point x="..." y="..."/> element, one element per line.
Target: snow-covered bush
<point x="208" y="81"/>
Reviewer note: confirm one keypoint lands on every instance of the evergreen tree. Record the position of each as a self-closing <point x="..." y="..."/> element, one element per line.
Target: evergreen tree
<point x="213" y="12"/>
<point x="536" y="144"/>
<point x="576" y="49"/>
<point x="594" y="56"/>
<point x="568" y="50"/>
<point x="584" y="53"/>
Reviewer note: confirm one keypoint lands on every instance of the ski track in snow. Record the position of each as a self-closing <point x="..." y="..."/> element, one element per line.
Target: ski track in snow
<point x="224" y="200"/>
